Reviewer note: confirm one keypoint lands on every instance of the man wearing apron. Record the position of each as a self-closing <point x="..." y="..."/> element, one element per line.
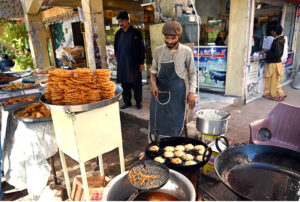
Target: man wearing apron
<point x="172" y="63"/>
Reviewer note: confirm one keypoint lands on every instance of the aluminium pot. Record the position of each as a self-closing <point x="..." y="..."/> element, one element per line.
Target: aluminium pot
<point x="212" y="122"/>
<point x="120" y="189"/>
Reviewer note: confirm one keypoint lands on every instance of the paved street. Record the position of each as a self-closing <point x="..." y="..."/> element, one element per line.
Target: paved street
<point x="135" y="140"/>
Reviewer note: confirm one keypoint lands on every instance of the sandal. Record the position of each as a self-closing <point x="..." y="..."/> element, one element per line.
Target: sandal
<point x="269" y="97"/>
<point x="281" y="98"/>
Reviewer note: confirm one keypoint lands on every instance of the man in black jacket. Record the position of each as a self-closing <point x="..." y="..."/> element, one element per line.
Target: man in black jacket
<point x="274" y="68"/>
<point x="130" y="54"/>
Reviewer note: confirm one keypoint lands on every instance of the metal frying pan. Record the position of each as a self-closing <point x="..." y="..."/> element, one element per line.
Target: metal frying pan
<point x="260" y="172"/>
<point x="159" y="173"/>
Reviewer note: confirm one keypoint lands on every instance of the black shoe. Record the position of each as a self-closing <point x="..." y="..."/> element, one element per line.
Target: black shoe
<point x="139" y="106"/>
<point x="125" y="106"/>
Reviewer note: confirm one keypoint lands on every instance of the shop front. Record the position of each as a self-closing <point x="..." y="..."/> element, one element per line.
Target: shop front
<point x="211" y="55"/>
<point x="266" y="15"/>
<point x="140" y="18"/>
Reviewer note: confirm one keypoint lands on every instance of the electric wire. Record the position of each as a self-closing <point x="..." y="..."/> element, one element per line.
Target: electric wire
<point x="198" y="19"/>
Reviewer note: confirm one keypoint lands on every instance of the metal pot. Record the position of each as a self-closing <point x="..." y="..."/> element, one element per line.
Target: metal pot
<point x="119" y="189"/>
<point x="212" y="122"/>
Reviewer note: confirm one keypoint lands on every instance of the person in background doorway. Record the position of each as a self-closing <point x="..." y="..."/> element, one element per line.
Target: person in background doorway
<point x="130" y="54"/>
<point x="172" y="64"/>
<point x="5" y="63"/>
<point x="258" y="32"/>
<point x="274" y="68"/>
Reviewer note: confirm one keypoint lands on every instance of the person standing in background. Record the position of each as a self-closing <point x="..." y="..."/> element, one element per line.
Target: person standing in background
<point x="274" y="67"/>
<point x="5" y="63"/>
<point x="258" y="32"/>
<point x="130" y="53"/>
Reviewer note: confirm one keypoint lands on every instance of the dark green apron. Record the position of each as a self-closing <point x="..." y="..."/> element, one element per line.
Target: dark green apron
<point x="167" y="113"/>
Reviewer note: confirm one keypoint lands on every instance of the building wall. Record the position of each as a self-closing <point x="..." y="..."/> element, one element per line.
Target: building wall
<point x="238" y="45"/>
<point x="63" y="35"/>
<point x="210" y="8"/>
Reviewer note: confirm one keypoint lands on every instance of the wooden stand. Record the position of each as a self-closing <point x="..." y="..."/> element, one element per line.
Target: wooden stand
<point x="86" y="135"/>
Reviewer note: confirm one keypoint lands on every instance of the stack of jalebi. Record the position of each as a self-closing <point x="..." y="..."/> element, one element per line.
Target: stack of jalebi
<point x="57" y="83"/>
<point x="107" y="87"/>
<point x="67" y="88"/>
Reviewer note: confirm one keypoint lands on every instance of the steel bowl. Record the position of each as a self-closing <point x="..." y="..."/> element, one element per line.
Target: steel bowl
<point x="206" y="123"/>
<point x="120" y="189"/>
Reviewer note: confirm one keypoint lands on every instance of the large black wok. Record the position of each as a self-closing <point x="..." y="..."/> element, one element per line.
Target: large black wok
<point x="173" y="141"/>
<point x="260" y="172"/>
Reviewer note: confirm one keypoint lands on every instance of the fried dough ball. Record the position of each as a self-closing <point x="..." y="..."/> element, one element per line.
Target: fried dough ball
<point x="176" y="161"/>
<point x="199" y="158"/>
<point x="187" y="157"/>
<point x="154" y="148"/>
<point x="190" y="163"/>
<point x="200" y="148"/>
<point x="159" y="159"/>
<point x="189" y="147"/>
<point x="169" y="154"/>
<point x="179" y="148"/>
<point x="179" y="153"/>
<point x="169" y="148"/>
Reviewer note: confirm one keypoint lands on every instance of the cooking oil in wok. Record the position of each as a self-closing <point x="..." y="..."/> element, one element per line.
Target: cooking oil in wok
<point x="155" y="196"/>
<point x="258" y="181"/>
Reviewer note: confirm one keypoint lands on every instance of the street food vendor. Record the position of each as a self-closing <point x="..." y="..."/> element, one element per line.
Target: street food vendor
<point x="172" y="64"/>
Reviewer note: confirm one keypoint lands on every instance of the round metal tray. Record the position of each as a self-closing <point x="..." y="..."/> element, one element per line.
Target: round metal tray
<point x="23" y="89"/>
<point x="83" y="107"/>
<point x="30" y="120"/>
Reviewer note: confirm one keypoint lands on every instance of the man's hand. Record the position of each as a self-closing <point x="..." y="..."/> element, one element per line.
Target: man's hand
<point x="142" y="67"/>
<point x="191" y="100"/>
<point x="154" y="91"/>
<point x="263" y="53"/>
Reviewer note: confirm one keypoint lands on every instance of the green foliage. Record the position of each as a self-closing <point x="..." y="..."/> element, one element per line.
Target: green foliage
<point x="22" y="62"/>
<point x="4" y="50"/>
<point x="15" y="36"/>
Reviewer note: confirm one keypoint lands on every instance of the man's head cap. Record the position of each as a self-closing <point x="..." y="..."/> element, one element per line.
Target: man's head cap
<point x="172" y="28"/>
<point x="123" y="15"/>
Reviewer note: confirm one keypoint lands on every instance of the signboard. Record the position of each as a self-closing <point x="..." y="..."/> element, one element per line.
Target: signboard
<point x="211" y="66"/>
<point x="288" y="68"/>
<point x="289" y="61"/>
<point x="255" y="80"/>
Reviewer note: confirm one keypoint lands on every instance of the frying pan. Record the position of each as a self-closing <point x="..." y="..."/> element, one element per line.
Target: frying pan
<point x="260" y="172"/>
<point x="173" y="141"/>
<point x="150" y="168"/>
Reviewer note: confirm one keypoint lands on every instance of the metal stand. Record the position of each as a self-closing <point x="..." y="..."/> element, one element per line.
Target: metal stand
<point x="86" y="135"/>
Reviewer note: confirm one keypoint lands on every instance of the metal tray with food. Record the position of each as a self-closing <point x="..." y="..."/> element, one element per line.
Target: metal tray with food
<point x="6" y="79"/>
<point x="11" y="103"/>
<point x="17" y="74"/>
<point x="2" y="90"/>
<point x="30" y="119"/>
<point x="83" y="107"/>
